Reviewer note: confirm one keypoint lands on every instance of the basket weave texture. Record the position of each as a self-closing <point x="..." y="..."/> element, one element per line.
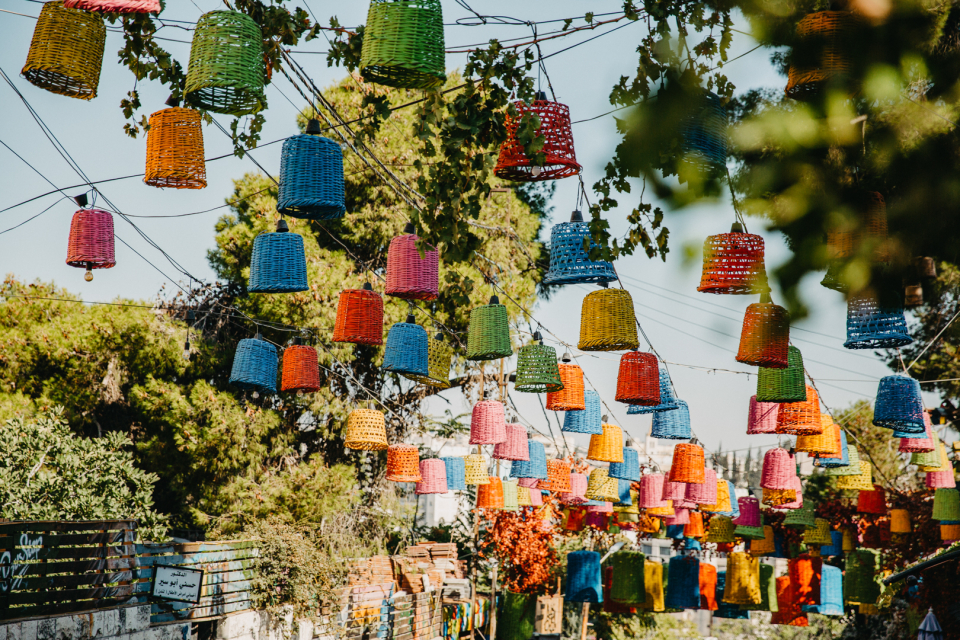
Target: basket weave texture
<point x="537" y="370"/>
<point x="535" y="467"/>
<point x="764" y="546"/>
<point x="762" y="416"/>
<point x="900" y="521"/>
<point x="819" y="443"/>
<point x="403" y="44"/>
<point x="683" y="583"/>
<point x="311" y="178"/>
<point x="366" y="430"/>
<point x="779" y="469"/>
<point x="783" y="385"/>
<point x="608" y="446"/>
<point x="629" y="469"/>
<point x="608" y="322"/>
<point x="788" y="609"/>
<point x="514" y="445"/>
<point x="403" y="463"/>
<point x="843" y="459"/>
<point x="943" y="478"/>
<point x="871" y="325"/>
<point x="638" y="380"/>
<point x="583" y="577"/>
<point x="91" y="243"/>
<point x="819" y="534"/>
<point x="694" y="528"/>
<point x="588" y="420"/>
<point x="475" y="469"/>
<point x="628" y="585"/>
<point x="929" y="460"/>
<point x="668" y="401"/>
<point x="597" y="485"/>
<point x="827" y="30"/>
<point x="490" y="495"/>
<point x="175" y="150"/>
<point x="488" y="424"/>
<point x="852" y="467"/>
<point x="673" y="425"/>
<point x="439" y="358"/>
<point x="749" y="512"/>
<point x="115" y="6"/>
<point x="863" y="481"/>
<point x="523" y="497"/>
<point x="688" y="464"/>
<point x="801" y="418"/>
<point x="558" y="476"/>
<point x="706" y="491"/>
<point x="226" y="71"/>
<point x="802" y="518"/>
<point x="778" y="497"/>
<point x="703" y="134"/>
<point x="456" y="473"/>
<point x="946" y="505"/>
<point x="720" y="530"/>
<point x="578" y="490"/>
<point x="949" y="532"/>
<point x="899" y="405"/>
<point x="571" y="397"/>
<point x="278" y="264"/>
<point x="410" y="276"/>
<point x="407" y="351"/>
<point x="511" y="498"/>
<point x="651" y="491"/>
<point x="722" y="505"/>
<point x="743" y="579"/>
<point x="914" y="445"/>
<point x="359" y="317"/>
<point x="255" y="366"/>
<point x="488" y="336"/>
<point x="765" y="336"/>
<point x="569" y="262"/>
<point x="66" y="51"/>
<point x="560" y="158"/>
<point x="733" y="264"/>
<point x="301" y="371"/>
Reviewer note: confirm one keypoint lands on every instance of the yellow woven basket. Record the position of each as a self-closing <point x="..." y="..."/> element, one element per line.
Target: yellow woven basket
<point x="608" y="322"/>
<point x="66" y="51"/>
<point x="366" y="430"/>
<point x="607" y="447"/>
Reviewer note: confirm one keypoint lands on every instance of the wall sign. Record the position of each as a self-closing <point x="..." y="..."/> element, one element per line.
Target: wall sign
<point x="177" y="583"/>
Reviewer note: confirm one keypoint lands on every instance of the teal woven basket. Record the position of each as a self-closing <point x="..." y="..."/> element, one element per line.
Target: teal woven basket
<point x="403" y="44"/>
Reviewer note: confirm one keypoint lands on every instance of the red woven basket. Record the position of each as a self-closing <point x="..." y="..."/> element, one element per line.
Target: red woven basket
<point x="410" y="276"/>
<point x="765" y="336"/>
<point x="638" y="381"/>
<point x="733" y="263"/>
<point x="115" y="6"/>
<point x="359" y="317"/>
<point x="555" y="129"/>
<point x="301" y="371"/>
<point x="91" y="240"/>
<point x="872" y="501"/>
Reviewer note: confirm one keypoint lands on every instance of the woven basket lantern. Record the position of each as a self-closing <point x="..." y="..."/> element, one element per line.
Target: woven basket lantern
<point x="704" y="493"/>
<point x="488" y="336"/>
<point x="816" y="444"/>
<point x="765" y="546"/>
<point x="860" y="482"/>
<point x="66" y="51"/>
<point x="805" y="578"/>
<point x="638" y="381"/>
<point x="762" y="416"/>
<point x="722" y="505"/>
<point x="899" y="405"/>
<point x="311" y="177"/>
<point x="628" y="498"/>
<point x="555" y="130"/>
<point x="683" y="583"/>
<point x="900" y="521"/>
<point x="570" y="398"/>
<point x="403" y="44"/>
<point x="611" y="490"/>
<point x="411" y="276"/>
<point x="841" y="460"/>
<point x="801" y="418"/>
<point x="876" y="325"/>
<point x="828" y="30"/>
<point x="115" y="6"/>
<point x="537" y="370"/>
<point x="768" y="591"/>
<point x="403" y="463"/>
<point x="733" y="263"/>
<point x="629" y="469"/>
<point x="366" y="430"/>
<point x="946" y="505"/>
<point x="788" y="610"/>
<point x="607" y="322"/>
<point x="359" y="317"/>
<point x="588" y="421"/>
<point x="407" y="351"/>
<point x="725" y="610"/>
<point x="628" y="586"/>
<point x="439" y="359"/>
<point x="703" y="134"/>
<point x="651" y="491"/>
<point x="665" y="510"/>
<point x="872" y="501"/>
<point x="475" y="469"/>
<point x="488" y="423"/>
<point x="91" y="245"/>
<point x="578" y="490"/>
<point x="835" y="548"/>
<point x="433" y="474"/>
<point x="255" y="366"/>
<point x="672" y="425"/>
<point x="278" y="263"/>
<point x="919" y="445"/>
<point x="226" y="70"/>
<point x="928" y="460"/>
<point x="720" y="529"/>
<point x="749" y="512"/>
<point x="511" y="500"/>
<point x="743" y="579"/>
<point x="607" y="447"/>
<point x="535" y="467"/>
<point x="949" y="532"/>
<point x="831" y="592"/>
<point x="819" y="534"/>
<point x="517" y="616"/>
<point x="694" y="528"/>
<point x="675" y="491"/>
<point x="523" y="496"/>
<point x="300" y="372"/>
<point x="783" y="385"/>
<point x="765" y="335"/>
<point x="668" y="401"/>
<point x="708" y="587"/>
<point x="514" y="445"/>
<point x="831" y="447"/>
<point x="943" y="478"/>
<point x="601" y="507"/>
<point x="490" y="495"/>
<point x="558" y="476"/>
<point x="175" y="150"/>
<point x="456" y="473"/>
<point x="583" y="577"/>
<point x="688" y="464"/>
<point x="779" y="468"/>
<point x="852" y="467"/>
<point x="778" y="497"/>
<point x="802" y="518"/>
<point x="569" y="261"/>
<point x="597" y="485"/>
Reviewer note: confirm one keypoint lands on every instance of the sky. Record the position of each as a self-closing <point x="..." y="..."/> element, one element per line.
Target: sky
<point x="696" y="333"/>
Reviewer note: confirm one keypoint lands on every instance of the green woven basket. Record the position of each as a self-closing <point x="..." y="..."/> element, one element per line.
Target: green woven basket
<point x="768" y="592"/>
<point x="517" y="615"/>
<point x="750" y="533"/>
<point x="488" y="336"/>
<point x="802" y="518"/>
<point x="852" y="469"/>
<point x="783" y="385"/>
<point x="537" y="370"/>
<point x="403" y="44"/>
<point x="628" y="586"/>
<point x="226" y="65"/>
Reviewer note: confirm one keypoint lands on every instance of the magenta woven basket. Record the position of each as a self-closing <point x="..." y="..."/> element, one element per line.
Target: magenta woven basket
<point x="578" y="490"/>
<point x="779" y="469"/>
<point x="749" y="512"/>
<point x="514" y="446"/>
<point x="675" y="491"/>
<point x="705" y="493"/>
<point x="410" y="276"/>
<point x="115" y="6"/>
<point x="680" y="516"/>
<point x="434" y="474"/>
<point x="91" y="240"/>
<point x="651" y="491"/>
<point x="488" y="424"/>
<point x="762" y="417"/>
<point x="603" y="507"/>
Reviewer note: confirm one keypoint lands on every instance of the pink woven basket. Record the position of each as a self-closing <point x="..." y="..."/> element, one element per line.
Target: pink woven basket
<point x="533" y="484"/>
<point x="651" y="491"/>
<point x="91" y="240"/>
<point x="940" y="479"/>
<point x="603" y="507"/>
<point x="705" y="493"/>
<point x="514" y="446"/>
<point x="749" y="512"/>
<point x="680" y="516"/>
<point x="115" y="6"/>
<point x="797" y="487"/>
<point x="578" y="490"/>
<point x="919" y="445"/>
<point x="410" y="276"/>
<point x="676" y="491"/>
<point x="778" y="469"/>
<point x="488" y="425"/>
<point x="762" y="417"/>
<point x="434" y="474"/>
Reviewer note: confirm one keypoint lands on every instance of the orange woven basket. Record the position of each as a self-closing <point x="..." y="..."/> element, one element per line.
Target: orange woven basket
<point x="301" y="372"/>
<point x="558" y="476"/>
<point x="801" y="418"/>
<point x="817" y="444"/>
<point x="694" y="528"/>
<point x="733" y="263"/>
<point x="827" y="29"/>
<point x="900" y="521"/>
<point x="765" y="336"/>
<point x="403" y="463"/>
<point x="607" y="447"/>
<point x="359" y="317"/>
<point x="664" y="511"/>
<point x="490" y="495"/>
<point x="688" y="464"/>
<point x="638" y="381"/>
<point x="778" y="497"/>
<point x="570" y="398"/>
<point x="175" y="150"/>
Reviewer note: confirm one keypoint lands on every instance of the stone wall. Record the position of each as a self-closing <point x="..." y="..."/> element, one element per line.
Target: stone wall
<point x="119" y="623"/>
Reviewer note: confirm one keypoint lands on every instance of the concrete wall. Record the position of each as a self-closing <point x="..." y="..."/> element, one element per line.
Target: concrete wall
<point x="120" y="623"/>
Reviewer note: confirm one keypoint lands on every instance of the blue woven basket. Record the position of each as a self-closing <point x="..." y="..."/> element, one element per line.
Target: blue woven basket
<point x="623" y="490"/>
<point x="407" y="351"/>
<point x="683" y="583"/>
<point x="255" y="366"/>
<point x="675" y="531"/>
<point x="583" y="577"/>
<point x="842" y="461"/>
<point x="725" y="609"/>
<point x="311" y="178"/>
<point x="278" y="264"/>
<point x="668" y="400"/>
<point x="569" y="263"/>
<point x="704" y="134"/>
<point x="835" y="548"/>
<point x="629" y="469"/>
<point x="456" y="474"/>
<point x="872" y="326"/>
<point x="692" y="544"/>
<point x="673" y="425"/>
<point x="899" y="405"/>
<point x="535" y="467"/>
<point x="831" y="593"/>
<point x="589" y="420"/>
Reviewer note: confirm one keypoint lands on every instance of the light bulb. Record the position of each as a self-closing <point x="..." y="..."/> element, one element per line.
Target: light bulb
<point x="186" y="354"/>
<point x="536" y="170"/>
<point x="300" y="393"/>
<point x="88" y="276"/>
<point x="255" y="395"/>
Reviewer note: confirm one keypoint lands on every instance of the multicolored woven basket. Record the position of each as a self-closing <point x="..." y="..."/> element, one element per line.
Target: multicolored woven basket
<point x="403" y="44"/>
<point x="66" y="51"/>
<point x="765" y="336"/>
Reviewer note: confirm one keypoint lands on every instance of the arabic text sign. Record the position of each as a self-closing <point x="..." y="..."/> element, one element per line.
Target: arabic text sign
<point x="177" y="583"/>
